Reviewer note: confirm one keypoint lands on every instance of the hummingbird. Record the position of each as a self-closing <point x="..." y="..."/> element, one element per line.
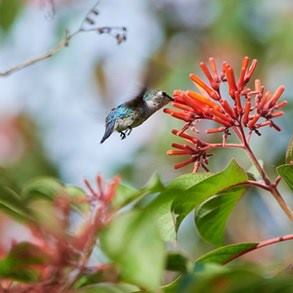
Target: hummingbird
<point x="134" y="112"/>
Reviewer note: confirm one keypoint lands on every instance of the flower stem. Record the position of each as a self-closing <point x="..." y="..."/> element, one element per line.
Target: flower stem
<point x="271" y="187"/>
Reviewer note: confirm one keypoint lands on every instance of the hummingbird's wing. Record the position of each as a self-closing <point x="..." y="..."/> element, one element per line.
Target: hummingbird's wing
<point x="109" y="125"/>
<point x="137" y="101"/>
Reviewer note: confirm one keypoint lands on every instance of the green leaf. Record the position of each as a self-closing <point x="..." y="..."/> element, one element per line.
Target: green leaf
<point x="11" y="204"/>
<point x="177" y="262"/>
<point x="124" y="195"/>
<point x="191" y="198"/>
<point x="127" y="194"/>
<point x="10" y="201"/>
<point x="286" y="172"/>
<point x="208" y="264"/>
<point x="7" y="181"/>
<point x="186" y="181"/>
<point x="224" y="254"/>
<point x="43" y="187"/>
<point x="17" y="265"/>
<point x="289" y="153"/>
<point x="78" y="193"/>
<point x="212" y="214"/>
<point x="89" y="279"/>
<point x="108" y="288"/>
<point x="135" y="245"/>
<point x="9" y="9"/>
<point x="208" y="277"/>
<point x="159" y="210"/>
<point x="74" y="191"/>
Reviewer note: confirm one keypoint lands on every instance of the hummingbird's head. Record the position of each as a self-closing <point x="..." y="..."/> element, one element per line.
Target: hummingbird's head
<point x="157" y="99"/>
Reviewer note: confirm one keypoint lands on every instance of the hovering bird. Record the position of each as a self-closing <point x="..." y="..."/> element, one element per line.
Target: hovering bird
<point x="134" y="112"/>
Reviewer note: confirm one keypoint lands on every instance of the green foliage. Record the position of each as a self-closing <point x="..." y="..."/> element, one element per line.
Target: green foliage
<point x="12" y="204"/>
<point x="159" y="210"/>
<point x="177" y="263"/>
<point x="9" y="10"/>
<point x="127" y="194"/>
<point x="212" y="214"/>
<point x="135" y="245"/>
<point x="215" y="278"/>
<point x="18" y="264"/>
<point x="286" y="172"/>
<point x="109" y="288"/>
<point x="19" y="202"/>
<point x="226" y="253"/>
<point x="43" y="187"/>
<point x="219" y="256"/>
<point x="232" y="175"/>
<point x="135" y="239"/>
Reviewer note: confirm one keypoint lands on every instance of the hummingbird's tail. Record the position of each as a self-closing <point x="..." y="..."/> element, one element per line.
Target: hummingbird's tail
<point x="108" y="131"/>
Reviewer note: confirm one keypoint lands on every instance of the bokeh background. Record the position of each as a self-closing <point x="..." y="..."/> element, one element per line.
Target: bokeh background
<point x="52" y="114"/>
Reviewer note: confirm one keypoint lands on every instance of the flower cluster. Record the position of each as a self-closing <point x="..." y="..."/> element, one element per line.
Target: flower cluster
<point x="247" y="108"/>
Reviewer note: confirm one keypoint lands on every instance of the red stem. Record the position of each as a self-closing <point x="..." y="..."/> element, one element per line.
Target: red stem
<point x="254" y="183"/>
<point x="271" y="187"/>
<point x="226" y="145"/>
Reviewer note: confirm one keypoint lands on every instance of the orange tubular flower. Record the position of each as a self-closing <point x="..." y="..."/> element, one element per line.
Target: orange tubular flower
<point x="247" y="108"/>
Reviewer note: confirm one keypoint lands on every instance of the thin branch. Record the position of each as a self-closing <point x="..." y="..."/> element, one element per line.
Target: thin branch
<point x="272" y="187"/>
<point x="263" y="244"/>
<point x="119" y="33"/>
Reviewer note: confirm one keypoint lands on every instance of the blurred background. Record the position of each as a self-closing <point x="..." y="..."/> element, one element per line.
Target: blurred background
<point x="52" y="114"/>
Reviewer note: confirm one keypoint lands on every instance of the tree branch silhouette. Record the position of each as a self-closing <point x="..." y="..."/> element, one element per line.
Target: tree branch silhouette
<point x="88" y="24"/>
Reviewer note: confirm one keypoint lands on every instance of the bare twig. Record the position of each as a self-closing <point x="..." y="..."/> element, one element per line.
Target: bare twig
<point x="87" y="25"/>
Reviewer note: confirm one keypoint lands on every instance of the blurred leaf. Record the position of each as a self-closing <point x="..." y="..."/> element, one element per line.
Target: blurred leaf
<point x="126" y="194"/>
<point x="133" y="242"/>
<point x="17" y="265"/>
<point x="9" y="10"/>
<point x="43" y="187"/>
<point x="11" y="204"/>
<point x="47" y="188"/>
<point x="78" y="193"/>
<point x="188" y="200"/>
<point x="289" y="153"/>
<point x="286" y="172"/>
<point x="224" y="254"/>
<point x="108" y="274"/>
<point x="89" y="279"/>
<point x="172" y="287"/>
<point x="10" y="201"/>
<point x="6" y="181"/>
<point x="177" y="262"/>
<point x="219" y="256"/>
<point x="213" y="278"/>
<point x="159" y="210"/>
<point x="212" y="215"/>
<point x="74" y="191"/>
<point x="108" y="288"/>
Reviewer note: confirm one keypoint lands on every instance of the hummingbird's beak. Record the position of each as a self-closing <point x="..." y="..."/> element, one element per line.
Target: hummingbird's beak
<point x="169" y="97"/>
